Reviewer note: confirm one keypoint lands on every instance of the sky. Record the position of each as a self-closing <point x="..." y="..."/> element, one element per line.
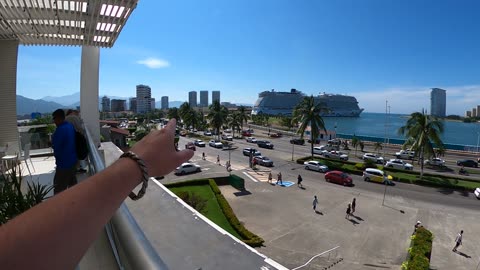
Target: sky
<point x="375" y="50"/>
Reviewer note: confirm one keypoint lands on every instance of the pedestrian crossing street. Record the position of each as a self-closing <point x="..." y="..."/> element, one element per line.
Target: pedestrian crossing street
<point x="213" y="160"/>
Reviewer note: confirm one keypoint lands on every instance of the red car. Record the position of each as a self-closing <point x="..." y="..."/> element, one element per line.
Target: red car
<point x="246" y="133"/>
<point x="339" y="178"/>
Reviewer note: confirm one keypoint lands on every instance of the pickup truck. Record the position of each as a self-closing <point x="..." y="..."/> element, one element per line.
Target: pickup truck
<point x="405" y="154"/>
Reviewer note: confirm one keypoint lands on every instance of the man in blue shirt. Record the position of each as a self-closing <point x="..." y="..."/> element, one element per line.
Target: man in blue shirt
<point x="64" y="149"/>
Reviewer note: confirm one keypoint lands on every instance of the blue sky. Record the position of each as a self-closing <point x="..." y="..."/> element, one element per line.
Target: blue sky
<point x="372" y="49"/>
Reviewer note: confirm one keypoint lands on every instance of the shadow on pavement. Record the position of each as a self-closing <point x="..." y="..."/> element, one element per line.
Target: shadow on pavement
<point x="242" y="193"/>
<point x="463" y="254"/>
<point x="353" y="221"/>
<point x="302" y="188"/>
<point x="464" y="193"/>
<point x="357" y="217"/>
<point x="318" y="212"/>
<point x="401" y="211"/>
<point x="445" y="191"/>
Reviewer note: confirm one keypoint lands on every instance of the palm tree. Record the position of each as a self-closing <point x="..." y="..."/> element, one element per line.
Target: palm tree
<point x="243" y="115"/>
<point x="234" y="121"/>
<point x="355" y="142"/>
<point x="423" y="132"/>
<point x="307" y="113"/>
<point x="217" y="115"/>
<point x="378" y="146"/>
<point x="173" y="113"/>
<point x="185" y="111"/>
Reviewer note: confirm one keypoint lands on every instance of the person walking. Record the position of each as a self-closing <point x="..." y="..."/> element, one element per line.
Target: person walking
<point x="203" y="155"/>
<point x="279" y="178"/>
<point x="458" y="241"/>
<point x="315" y="202"/>
<point x="299" y="181"/>
<point x="348" y="211"/>
<point x="354" y="203"/>
<point x="218" y="160"/>
<point x="270" y="177"/>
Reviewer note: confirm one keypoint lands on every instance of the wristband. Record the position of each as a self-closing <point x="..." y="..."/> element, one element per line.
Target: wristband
<point x="143" y="168"/>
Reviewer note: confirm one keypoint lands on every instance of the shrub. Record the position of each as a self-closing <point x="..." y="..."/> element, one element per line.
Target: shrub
<point x="419" y="251"/>
<point x="193" y="200"/>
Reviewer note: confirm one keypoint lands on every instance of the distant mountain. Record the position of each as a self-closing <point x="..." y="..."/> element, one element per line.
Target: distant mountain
<point x="67" y="100"/>
<point x="28" y="105"/>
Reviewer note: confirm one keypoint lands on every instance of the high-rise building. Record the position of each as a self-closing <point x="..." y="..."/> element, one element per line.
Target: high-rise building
<point x="438" y="102"/>
<point x="192" y="98"/>
<point x="144" y="98"/>
<point x="152" y="103"/>
<point x="164" y="103"/>
<point x="474" y="112"/>
<point x="203" y="98"/>
<point x="105" y="104"/>
<point x="133" y="104"/>
<point x="468" y="114"/>
<point x="215" y="96"/>
<point x="118" y="105"/>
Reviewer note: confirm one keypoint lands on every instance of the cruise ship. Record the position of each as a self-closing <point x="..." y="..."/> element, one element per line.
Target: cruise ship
<point x="283" y="103"/>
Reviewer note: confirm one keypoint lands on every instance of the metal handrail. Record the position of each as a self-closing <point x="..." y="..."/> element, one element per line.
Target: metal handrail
<point x="131" y="248"/>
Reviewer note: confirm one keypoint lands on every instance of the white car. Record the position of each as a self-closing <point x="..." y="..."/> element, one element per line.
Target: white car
<point x="336" y="155"/>
<point x="435" y="162"/>
<point x="227" y="137"/>
<point x="405" y="154"/>
<point x="215" y="144"/>
<point x="319" y="150"/>
<point x="399" y="164"/>
<point x="315" y="166"/>
<point x="376" y="175"/>
<point x="199" y="143"/>
<point x="373" y="157"/>
<point x="477" y="193"/>
<point x="187" y="167"/>
<point x="251" y="139"/>
<point x="207" y="133"/>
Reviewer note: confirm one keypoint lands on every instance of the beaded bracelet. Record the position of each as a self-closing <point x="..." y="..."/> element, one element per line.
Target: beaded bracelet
<point x="143" y="168"/>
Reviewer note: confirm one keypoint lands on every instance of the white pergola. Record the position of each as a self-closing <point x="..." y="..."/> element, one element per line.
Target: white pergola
<point x="91" y="24"/>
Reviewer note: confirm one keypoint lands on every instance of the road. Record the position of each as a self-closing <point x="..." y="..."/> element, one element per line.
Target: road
<point x="282" y="155"/>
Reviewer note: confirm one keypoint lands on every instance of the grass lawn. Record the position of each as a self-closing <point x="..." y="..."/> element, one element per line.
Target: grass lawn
<point x="212" y="210"/>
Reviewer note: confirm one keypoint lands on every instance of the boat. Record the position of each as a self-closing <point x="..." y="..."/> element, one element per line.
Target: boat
<point x="282" y="104"/>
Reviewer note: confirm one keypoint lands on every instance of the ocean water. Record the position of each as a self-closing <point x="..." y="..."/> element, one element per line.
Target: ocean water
<point x="457" y="135"/>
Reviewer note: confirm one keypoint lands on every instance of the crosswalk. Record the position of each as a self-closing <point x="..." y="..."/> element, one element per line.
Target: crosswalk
<point x="234" y="167"/>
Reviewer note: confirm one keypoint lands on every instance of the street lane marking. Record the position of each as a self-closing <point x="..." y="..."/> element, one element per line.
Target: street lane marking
<point x="249" y="176"/>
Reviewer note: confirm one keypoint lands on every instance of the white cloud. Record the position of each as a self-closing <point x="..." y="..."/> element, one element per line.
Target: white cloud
<point x="410" y="99"/>
<point x="154" y="63"/>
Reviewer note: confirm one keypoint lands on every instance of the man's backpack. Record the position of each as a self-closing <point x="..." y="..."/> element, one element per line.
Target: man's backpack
<point x="81" y="146"/>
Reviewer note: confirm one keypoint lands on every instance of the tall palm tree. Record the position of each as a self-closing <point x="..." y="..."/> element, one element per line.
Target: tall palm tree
<point x="355" y="143"/>
<point x="234" y="121"/>
<point x="423" y="133"/>
<point x="217" y="115"/>
<point x="173" y="113"/>
<point x="307" y="113"/>
<point x="185" y="111"/>
<point x="243" y="115"/>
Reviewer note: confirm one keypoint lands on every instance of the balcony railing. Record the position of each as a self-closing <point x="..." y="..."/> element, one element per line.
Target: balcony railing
<point x="131" y="248"/>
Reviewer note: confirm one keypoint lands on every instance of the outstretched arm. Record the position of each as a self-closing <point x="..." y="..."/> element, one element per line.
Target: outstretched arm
<point x="56" y="233"/>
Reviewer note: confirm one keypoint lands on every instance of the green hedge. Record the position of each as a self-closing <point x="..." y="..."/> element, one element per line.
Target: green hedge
<point x="248" y="237"/>
<point x="420" y="250"/>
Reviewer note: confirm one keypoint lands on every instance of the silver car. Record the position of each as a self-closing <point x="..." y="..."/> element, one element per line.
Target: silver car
<point x="315" y="166"/>
<point x="187" y="167"/>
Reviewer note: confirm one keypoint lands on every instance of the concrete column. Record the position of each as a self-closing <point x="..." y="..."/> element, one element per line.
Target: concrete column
<point x="89" y="91"/>
<point x="8" y="95"/>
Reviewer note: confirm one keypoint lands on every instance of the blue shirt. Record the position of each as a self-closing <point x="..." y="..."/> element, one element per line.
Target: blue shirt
<point x="64" y="147"/>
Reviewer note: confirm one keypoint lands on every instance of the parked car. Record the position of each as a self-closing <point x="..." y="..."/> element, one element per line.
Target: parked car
<point x="265" y="144"/>
<point x="276" y="135"/>
<point x="315" y="166"/>
<point x="246" y="133"/>
<point x="246" y="152"/>
<point x="187" y="167"/>
<point x="405" y="154"/>
<point x="373" y="157"/>
<point x="216" y="144"/>
<point x="467" y="163"/>
<point x="435" y="162"/>
<point x="376" y="175"/>
<point x="399" y="164"/>
<point x="199" y="143"/>
<point x="207" y="133"/>
<point x="191" y="146"/>
<point x="336" y="155"/>
<point x="319" y="150"/>
<point x="339" y="177"/>
<point x="477" y="193"/>
<point x="183" y="133"/>
<point x="227" y="137"/>
<point x="297" y="141"/>
<point x="251" y="139"/>
<point x="264" y="161"/>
